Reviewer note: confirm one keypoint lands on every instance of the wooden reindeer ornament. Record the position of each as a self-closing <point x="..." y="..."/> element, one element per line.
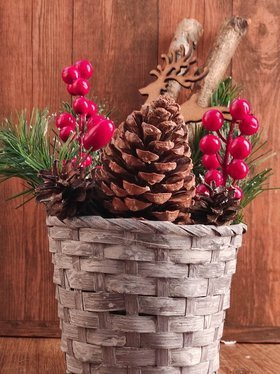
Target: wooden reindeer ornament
<point x="182" y="68"/>
<point x="179" y="69"/>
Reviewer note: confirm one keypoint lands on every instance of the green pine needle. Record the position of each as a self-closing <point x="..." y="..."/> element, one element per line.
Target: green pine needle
<point x="28" y="146"/>
<point x="225" y="93"/>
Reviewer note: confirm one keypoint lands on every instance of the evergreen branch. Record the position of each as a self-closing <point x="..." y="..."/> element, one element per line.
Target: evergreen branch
<point x="225" y="93"/>
<point x="29" y="146"/>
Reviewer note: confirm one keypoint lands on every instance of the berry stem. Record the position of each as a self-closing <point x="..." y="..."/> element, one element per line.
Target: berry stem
<point x="227" y="154"/>
<point x="221" y="136"/>
<point x="219" y="157"/>
<point x="84" y="157"/>
<point x="81" y="126"/>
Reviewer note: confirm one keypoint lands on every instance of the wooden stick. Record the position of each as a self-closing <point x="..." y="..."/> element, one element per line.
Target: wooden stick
<point x="221" y="54"/>
<point x="188" y="31"/>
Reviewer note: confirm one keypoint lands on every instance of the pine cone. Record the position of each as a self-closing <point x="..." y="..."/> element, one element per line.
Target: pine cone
<point x="219" y="208"/>
<point x="147" y="169"/>
<point x="66" y="193"/>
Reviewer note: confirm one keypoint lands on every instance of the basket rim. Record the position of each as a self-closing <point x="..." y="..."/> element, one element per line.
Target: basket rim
<point x="145" y="226"/>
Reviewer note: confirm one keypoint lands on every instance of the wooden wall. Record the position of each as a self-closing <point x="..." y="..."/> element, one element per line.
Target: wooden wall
<point x="124" y="39"/>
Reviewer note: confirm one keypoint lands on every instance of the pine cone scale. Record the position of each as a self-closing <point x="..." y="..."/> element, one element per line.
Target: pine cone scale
<point x="65" y="192"/>
<point x="219" y="208"/>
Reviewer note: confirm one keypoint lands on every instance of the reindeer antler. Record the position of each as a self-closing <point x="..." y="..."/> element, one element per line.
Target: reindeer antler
<point x="179" y="69"/>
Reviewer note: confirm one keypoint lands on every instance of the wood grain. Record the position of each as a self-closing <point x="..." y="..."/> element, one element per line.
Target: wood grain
<point x="32" y="356"/>
<point x="16" y="92"/>
<point x="256" y="286"/>
<point x="120" y="37"/>
<point x="46" y="329"/>
<point x="51" y="50"/>
<point x="44" y="356"/>
<point x="252" y="334"/>
<point x="32" y="68"/>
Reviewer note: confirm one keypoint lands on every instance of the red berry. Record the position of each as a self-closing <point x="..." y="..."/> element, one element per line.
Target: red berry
<point x="213" y="120"/>
<point x="210" y="144"/>
<point x="239" y="108"/>
<point x="95" y="120"/>
<point x="210" y="161"/>
<point x="238" y="193"/>
<point x="65" y="133"/>
<point x="70" y="74"/>
<point x="79" y="88"/>
<point x="201" y="189"/>
<point x="249" y="125"/>
<point x="71" y="90"/>
<point x="99" y="135"/>
<point x="86" y="162"/>
<point x="85" y="68"/>
<point x="238" y="169"/>
<point x="214" y="176"/>
<point x="240" y="147"/>
<point x="80" y="106"/>
<point x="92" y="108"/>
<point x="65" y="119"/>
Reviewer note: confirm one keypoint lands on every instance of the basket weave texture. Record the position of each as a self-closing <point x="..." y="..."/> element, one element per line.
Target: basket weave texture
<point x="142" y="297"/>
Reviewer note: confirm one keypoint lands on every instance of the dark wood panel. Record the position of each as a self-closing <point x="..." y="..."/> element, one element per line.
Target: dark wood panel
<point x="51" y="51"/>
<point x="46" y="329"/>
<point x="30" y="77"/>
<point x="120" y="38"/>
<point x="252" y="334"/>
<point x="32" y="356"/>
<point x="255" y="297"/>
<point x="16" y="92"/>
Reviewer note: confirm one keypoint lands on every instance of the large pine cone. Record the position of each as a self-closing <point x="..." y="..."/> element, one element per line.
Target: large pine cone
<point x="67" y="192"/>
<point x="147" y="169"/>
<point x="219" y="208"/>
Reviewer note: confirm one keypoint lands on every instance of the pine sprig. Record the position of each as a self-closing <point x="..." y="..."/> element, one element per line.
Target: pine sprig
<point x="28" y="146"/>
<point x="198" y="132"/>
<point x="225" y="93"/>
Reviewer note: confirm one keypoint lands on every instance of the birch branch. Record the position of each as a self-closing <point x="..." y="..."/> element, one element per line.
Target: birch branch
<point x="220" y="56"/>
<point x="188" y="32"/>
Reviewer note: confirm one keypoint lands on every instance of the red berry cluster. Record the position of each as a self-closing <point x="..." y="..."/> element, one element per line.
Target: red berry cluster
<point x="92" y="130"/>
<point x="237" y="148"/>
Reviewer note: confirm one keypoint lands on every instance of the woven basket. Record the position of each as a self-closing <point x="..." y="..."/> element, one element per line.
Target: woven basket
<point x="142" y="297"/>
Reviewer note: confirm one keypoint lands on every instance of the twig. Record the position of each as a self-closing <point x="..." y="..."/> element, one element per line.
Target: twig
<point x="221" y="54"/>
<point x="187" y="34"/>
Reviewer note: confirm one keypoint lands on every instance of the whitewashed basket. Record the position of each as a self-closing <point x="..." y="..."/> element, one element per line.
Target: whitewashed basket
<point x="142" y="297"/>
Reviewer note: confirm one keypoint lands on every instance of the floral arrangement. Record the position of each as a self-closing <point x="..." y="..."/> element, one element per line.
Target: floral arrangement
<point x="149" y="168"/>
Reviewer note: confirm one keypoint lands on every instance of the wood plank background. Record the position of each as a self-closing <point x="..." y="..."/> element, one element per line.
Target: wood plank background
<point x="124" y="39"/>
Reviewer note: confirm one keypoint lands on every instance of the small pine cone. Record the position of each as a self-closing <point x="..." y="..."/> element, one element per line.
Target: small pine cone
<point x="67" y="192"/>
<point x="147" y="169"/>
<point x="220" y="208"/>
